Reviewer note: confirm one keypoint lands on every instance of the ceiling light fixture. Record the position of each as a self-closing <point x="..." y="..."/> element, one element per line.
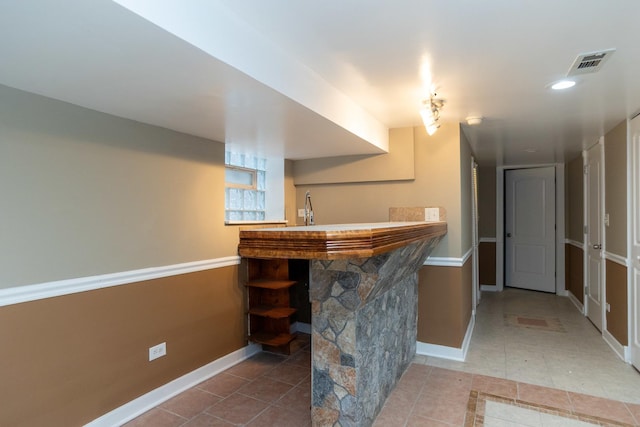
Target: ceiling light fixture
<point x="563" y="84"/>
<point x="430" y="113"/>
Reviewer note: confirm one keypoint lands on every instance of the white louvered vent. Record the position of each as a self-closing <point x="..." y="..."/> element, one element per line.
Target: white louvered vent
<point x="590" y="62"/>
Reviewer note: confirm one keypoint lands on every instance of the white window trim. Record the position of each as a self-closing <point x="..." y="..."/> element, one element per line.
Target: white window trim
<point x="254" y="178"/>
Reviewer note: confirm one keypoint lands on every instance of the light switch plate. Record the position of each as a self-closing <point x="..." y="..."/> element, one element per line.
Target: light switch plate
<point x="431" y="214"/>
<point x="301" y="213"/>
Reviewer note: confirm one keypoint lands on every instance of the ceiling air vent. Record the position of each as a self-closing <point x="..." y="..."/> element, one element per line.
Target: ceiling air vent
<point x="589" y="62"/>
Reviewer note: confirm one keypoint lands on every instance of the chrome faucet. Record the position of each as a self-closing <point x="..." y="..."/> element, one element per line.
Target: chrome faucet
<point x="308" y="209"/>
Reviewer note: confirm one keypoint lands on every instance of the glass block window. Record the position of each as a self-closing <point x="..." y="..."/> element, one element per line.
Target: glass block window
<point x="245" y="186"/>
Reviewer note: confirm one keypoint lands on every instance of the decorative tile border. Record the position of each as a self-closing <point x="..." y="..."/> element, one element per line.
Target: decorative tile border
<point x="476" y="406"/>
<point x="551" y="324"/>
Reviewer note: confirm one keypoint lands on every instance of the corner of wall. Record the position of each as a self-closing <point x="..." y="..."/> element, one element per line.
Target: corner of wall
<point x="444" y="304"/>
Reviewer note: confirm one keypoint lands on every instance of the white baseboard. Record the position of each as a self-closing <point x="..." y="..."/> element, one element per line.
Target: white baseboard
<point x="489" y="288"/>
<point x="448" y="261"/>
<point x="618" y="348"/>
<point x="576" y="302"/>
<point x="142" y="404"/>
<point x="575" y="243"/>
<point x="487" y="240"/>
<point x="444" y="352"/>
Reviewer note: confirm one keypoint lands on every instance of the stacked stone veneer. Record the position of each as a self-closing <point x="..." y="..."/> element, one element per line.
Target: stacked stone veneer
<point x="364" y="326"/>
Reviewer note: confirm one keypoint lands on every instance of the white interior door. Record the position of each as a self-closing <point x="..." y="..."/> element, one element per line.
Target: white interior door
<point x="530" y="229"/>
<point x="594" y="202"/>
<point x="635" y="241"/>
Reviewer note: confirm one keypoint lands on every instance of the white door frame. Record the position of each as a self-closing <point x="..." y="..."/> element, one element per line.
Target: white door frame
<point x="585" y="247"/>
<point x="633" y="202"/>
<point x="475" y="276"/>
<point x="560" y="285"/>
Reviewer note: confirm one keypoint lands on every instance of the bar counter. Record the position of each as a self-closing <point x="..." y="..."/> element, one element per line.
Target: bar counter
<point x="337" y="241"/>
<point x="363" y="288"/>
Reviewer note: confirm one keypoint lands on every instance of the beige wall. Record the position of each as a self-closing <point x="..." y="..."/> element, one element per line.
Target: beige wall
<point x="574" y="200"/>
<point x="396" y="165"/>
<point x="574" y="271"/>
<point x="487" y="201"/>
<point x="290" y="211"/>
<point x="437" y="183"/>
<point x="442" y="178"/>
<point x="86" y="193"/>
<point x="444" y="304"/>
<point x="617" y="299"/>
<point x="574" y="227"/>
<point x="67" y="360"/>
<point x="615" y="192"/>
<point x="465" y="194"/>
<point x="615" y="189"/>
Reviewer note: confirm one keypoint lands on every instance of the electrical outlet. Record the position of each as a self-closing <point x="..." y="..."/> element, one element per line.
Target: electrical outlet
<point x="157" y="351"/>
<point x="608" y="308"/>
<point x="301" y="213"/>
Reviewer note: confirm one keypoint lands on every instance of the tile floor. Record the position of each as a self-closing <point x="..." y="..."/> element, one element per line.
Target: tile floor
<point x="550" y="367"/>
<point x="431" y="396"/>
<point x="573" y="358"/>
<point x="263" y="391"/>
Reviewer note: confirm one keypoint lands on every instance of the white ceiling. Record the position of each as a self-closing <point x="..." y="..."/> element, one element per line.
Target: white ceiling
<point x="314" y="79"/>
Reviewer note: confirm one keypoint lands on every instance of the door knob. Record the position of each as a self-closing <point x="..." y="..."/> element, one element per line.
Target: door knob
<point x="597" y="246"/>
<point x="508" y="234"/>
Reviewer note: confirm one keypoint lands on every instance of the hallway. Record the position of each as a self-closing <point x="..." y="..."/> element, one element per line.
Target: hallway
<point x="543" y="339"/>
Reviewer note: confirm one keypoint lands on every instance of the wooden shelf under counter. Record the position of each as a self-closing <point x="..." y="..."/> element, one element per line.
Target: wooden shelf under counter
<point x="274" y="341"/>
<point x="271" y="284"/>
<point x="269" y="304"/>
<point x="272" y="312"/>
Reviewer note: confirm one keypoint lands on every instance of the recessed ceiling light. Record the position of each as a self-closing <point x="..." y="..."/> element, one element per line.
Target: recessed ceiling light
<point x="563" y="84"/>
<point x="531" y="150"/>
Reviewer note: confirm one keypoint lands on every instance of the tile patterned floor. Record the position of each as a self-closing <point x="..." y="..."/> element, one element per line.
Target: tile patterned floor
<point x="570" y="356"/>
<point x="549" y="363"/>
<point x="431" y="396"/>
<point x="264" y="391"/>
<point x="550" y="324"/>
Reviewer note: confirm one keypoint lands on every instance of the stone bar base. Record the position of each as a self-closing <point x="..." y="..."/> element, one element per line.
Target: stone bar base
<point x="364" y="326"/>
<point x="364" y="304"/>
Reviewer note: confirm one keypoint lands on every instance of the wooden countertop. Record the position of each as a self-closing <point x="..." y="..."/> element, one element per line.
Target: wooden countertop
<point x="336" y="241"/>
